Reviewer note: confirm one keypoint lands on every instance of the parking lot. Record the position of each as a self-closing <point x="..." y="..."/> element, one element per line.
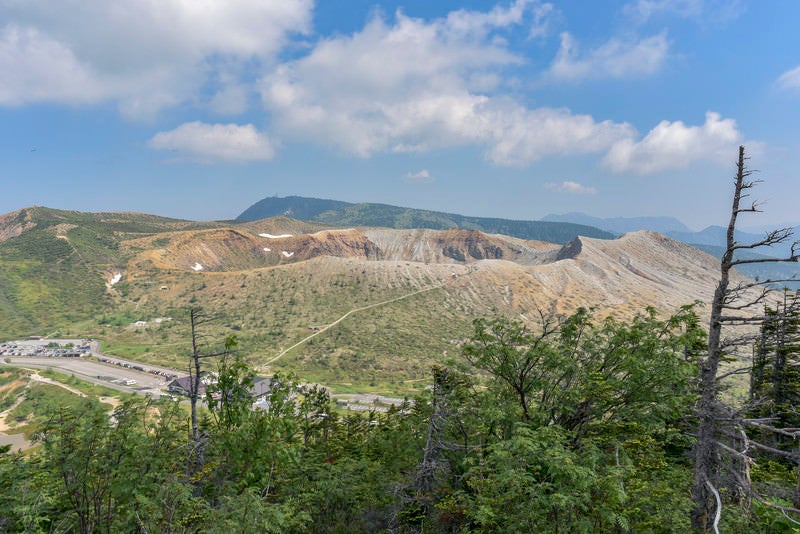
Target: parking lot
<point x="111" y="375"/>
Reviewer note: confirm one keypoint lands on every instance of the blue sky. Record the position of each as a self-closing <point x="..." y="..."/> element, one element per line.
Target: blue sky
<point x="511" y="109"/>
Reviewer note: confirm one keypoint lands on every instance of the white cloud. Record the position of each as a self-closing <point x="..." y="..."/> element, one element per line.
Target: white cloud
<point x="542" y="15"/>
<point x="421" y="177"/>
<point x="142" y="54"/>
<point x="472" y="23"/>
<point x="643" y="10"/>
<point x="43" y="68"/>
<point x="571" y="187"/>
<point x="674" y="145"/>
<point x="208" y="143"/>
<point x="719" y="11"/>
<point x="614" y="59"/>
<point x="517" y="135"/>
<point x="414" y="86"/>
<point x="789" y="79"/>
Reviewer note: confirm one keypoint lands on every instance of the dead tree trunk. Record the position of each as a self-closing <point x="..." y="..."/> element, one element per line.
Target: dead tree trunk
<point x="194" y="373"/>
<point x="197" y="318"/>
<point x="432" y="464"/>
<point x="711" y="412"/>
<point x="708" y="408"/>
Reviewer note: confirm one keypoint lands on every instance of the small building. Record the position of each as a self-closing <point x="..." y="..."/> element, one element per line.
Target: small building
<point x="183" y="386"/>
<point x="261" y="389"/>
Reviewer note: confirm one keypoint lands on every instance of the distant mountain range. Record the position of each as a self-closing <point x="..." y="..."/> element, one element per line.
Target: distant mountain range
<point x="711" y="239"/>
<point x="622" y="225"/>
<point x="672" y="227"/>
<point x="338" y="213"/>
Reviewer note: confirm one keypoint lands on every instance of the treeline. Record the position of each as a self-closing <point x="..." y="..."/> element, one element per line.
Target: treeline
<point x="577" y="426"/>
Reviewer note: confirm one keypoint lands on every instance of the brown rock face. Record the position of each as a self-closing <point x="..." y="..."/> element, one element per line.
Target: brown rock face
<point x="15" y="223"/>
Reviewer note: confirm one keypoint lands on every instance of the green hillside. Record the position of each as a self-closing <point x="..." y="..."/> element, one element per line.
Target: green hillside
<point x="337" y="213"/>
<point x="53" y="275"/>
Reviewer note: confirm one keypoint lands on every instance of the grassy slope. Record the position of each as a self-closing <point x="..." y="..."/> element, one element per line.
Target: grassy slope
<point x="272" y="309"/>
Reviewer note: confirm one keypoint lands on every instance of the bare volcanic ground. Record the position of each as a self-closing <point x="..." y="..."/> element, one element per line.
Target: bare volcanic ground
<point x="621" y="277"/>
<point x="234" y="249"/>
<point x="230" y="249"/>
<point x="14" y="224"/>
<point x="507" y="275"/>
<point x="627" y="274"/>
<point x="364" y="305"/>
<point x="458" y="246"/>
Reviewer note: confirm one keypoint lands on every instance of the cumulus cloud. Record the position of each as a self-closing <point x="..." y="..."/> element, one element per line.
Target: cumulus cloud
<point x="421" y="177"/>
<point x="418" y="85"/>
<point x="614" y="59"/>
<point x="702" y="10"/>
<point x="674" y="145"/>
<point x="144" y="55"/>
<point x="43" y="68"/>
<point x="517" y="135"/>
<point x="208" y="143"/>
<point x="568" y="186"/>
<point x="789" y="79"/>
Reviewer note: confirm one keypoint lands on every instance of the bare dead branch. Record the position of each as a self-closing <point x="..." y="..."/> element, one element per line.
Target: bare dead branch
<point x="739" y="371"/>
<point x="772" y="450"/>
<point x="773" y="237"/>
<point x="718" y="513"/>
<point x="785" y="510"/>
<point x="758" y="423"/>
<point x="753" y="319"/>
<point x="790" y="259"/>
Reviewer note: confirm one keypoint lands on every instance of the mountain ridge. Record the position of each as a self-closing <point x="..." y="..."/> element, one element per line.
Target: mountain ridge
<point x="712" y="239"/>
<point x="102" y="274"/>
<point x="339" y="213"/>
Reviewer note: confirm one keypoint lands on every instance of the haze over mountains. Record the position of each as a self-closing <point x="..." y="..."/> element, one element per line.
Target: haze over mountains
<point x="621" y="225"/>
<point x="712" y="235"/>
<point x="360" y="304"/>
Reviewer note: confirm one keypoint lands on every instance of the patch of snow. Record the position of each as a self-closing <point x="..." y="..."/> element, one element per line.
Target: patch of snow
<point x="270" y="236"/>
<point x="287" y="254"/>
<point x="117" y="277"/>
<point x="197" y="267"/>
<point x="267" y="249"/>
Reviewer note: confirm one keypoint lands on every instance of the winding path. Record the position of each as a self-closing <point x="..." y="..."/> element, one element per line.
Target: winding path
<point x="346" y="315"/>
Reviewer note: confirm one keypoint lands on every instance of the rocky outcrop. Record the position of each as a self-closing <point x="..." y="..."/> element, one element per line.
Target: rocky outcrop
<point x="456" y="246"/>
<point x="15" y="223"/>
